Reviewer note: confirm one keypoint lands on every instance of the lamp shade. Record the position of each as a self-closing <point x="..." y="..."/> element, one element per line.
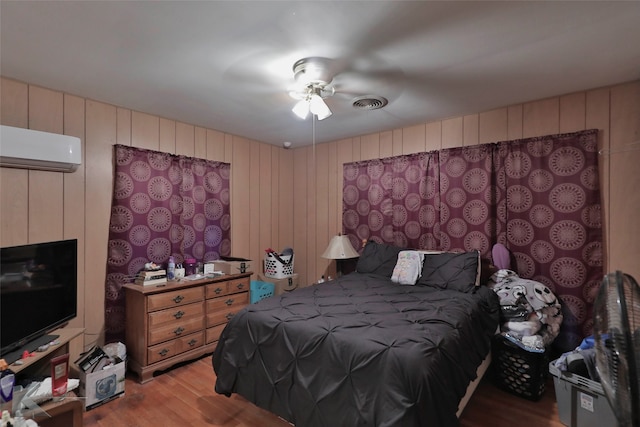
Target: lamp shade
<point x="340" y="248"/>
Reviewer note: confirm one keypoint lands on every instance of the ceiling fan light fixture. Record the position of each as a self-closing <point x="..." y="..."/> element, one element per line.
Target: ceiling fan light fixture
<point x="318" y="107"/>
<point x="308" y="71"/>
<point x="301" y="109"/>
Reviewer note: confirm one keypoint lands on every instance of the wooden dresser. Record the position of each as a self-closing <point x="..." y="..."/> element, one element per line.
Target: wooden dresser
<point x="179" y="321"/>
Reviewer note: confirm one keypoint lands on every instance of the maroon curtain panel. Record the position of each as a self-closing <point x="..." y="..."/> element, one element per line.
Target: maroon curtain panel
<point x="163" y="205"/>
<point x="539" y="197"/>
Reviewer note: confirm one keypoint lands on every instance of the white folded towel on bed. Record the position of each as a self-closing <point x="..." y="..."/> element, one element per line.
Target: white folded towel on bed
<point x="408" y="267"/>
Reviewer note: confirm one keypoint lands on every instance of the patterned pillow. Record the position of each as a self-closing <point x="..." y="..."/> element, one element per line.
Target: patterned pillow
<point x="455" y="271"/>
<point x="408" y="267"/>
<point x="378" y="258"/>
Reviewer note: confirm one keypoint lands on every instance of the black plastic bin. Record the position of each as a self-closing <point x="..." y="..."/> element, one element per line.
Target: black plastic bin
<point x="518" y="371"/>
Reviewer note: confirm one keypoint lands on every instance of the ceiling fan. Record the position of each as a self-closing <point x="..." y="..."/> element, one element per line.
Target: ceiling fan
<point x="314" y="77"/>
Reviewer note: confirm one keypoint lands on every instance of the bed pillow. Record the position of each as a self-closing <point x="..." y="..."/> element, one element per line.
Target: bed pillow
<point x="378" y="258"/>
<point x="408" y="268"/>
<point x="455" y="271"/>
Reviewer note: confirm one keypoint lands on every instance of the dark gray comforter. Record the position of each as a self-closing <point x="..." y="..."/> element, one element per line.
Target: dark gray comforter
<point x="358" y="351"/>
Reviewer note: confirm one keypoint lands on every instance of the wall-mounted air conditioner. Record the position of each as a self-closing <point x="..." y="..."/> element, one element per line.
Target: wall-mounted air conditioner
<point x="32" y="149"/>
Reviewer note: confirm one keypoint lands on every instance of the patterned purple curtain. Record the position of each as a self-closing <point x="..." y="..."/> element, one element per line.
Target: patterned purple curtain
<point x="538" y="196"/>
<point x="553" y="221"/>
<point x="162" y="205"/>
<point x="387" y="200"/>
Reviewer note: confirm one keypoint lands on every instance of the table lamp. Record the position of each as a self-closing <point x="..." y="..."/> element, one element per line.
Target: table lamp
<point x="340" y="248"/>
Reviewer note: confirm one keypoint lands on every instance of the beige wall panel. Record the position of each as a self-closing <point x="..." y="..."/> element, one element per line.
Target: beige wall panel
<point x="74" y="203"/>
<point x="625" y="180"/>
<point x="335" y="196"/>
<point x="572" y="112"/>
<point x="322" y="230"/>
<point x="215" y="145"/>
<point x="300" y="223"/>
<point x="397" y="142"/>
<point x="541" y="118"/>
<point x="185" y="139"/>
<point x="240" y="181"/>
<point x="46" y="189"/>
<point x="145" y="131"/>
<point x="286" y="197"/>
<point x="386" y="144"/>
<point x="14" y="206"/>
<point x="452" y="132"/>
<point x="414" y="139"/>
<point x="14" y="183"/>
<point x="266" y="199"/>
<point x="200" y="143"/>
<point x="167" y="136"/>
<point x="123" y="126"/>
<point x="255" y="173"/>
<point x="433" y="136"/>
<point x="14" y="106"/>
<point x="357" y="149"/>
<point x="597" y="117"/>
<point x="46" y="210"/>
<point x="274" y="191"/>
<point x="493" y="126"/>
<point x="228" y="148"/>
<point x="45" y="110"/>
<point x="100" y="136"/>
<point x="470" y="130"/>
<point x="515" y="118"/>
<point x="369" y="146"/>
<point x="310" y="254"/>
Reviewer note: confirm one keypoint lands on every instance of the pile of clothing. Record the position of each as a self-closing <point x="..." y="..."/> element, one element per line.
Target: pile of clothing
<point x="530" y="314"/>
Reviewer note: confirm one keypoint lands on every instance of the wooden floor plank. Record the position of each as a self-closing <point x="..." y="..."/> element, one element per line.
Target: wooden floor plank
<point x="184" y="396"/>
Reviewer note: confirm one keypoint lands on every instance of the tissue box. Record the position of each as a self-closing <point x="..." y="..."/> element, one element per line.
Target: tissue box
<point x="102" y="386"/>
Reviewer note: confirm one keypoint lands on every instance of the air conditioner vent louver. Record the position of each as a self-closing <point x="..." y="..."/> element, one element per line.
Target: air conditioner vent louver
<point x="369" y="102"/>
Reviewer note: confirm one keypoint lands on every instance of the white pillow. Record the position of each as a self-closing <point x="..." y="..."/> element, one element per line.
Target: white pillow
<point x="408" y="267"/>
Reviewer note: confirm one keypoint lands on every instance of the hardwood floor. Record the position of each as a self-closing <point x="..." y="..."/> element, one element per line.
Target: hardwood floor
<point x="184" y="396"/>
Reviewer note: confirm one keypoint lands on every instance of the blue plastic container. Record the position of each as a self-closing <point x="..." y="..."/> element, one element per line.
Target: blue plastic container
<point x="261" y="290"/>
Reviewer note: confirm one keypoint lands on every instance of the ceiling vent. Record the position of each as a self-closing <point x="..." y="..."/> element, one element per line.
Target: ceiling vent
<point x="369" y="102"/>
<point x="32" y="149"/>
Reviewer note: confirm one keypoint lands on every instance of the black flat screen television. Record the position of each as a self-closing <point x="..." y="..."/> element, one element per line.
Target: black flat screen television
<point x="38" y="288"/>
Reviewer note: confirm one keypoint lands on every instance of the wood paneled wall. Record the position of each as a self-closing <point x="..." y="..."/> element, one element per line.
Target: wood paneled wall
<point x="281" y="197"/>
<point x="38" y="206"/>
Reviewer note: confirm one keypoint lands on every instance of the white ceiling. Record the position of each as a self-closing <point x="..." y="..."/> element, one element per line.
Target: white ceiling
<point x="227" y="65"/>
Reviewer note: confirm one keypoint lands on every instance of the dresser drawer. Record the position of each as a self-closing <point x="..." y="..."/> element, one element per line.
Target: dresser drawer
<point x="239" y="285"/>
<point x="175" y="298"/>
<point x="175" y="329"/>
<point x="173" y="314"/>
<point x="174" y="347"/>
<point x="221" y="310"/>
<point x="213" y="334"/>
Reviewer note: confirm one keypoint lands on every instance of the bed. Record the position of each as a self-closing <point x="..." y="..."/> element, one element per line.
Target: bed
<point x="364" y="349"/>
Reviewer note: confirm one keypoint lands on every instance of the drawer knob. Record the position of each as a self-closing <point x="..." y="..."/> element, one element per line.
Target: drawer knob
<point x="229" y="316"/>
<point x="218" y="290"/>
<point x="240" y="285"/>
<point x="229" y="301"/>
<point x="163" y="352"/>
<point x="192" y="342"/>
<point x="178" y="330"/>
<point x="178" y="298"/>
<point x="178" y="314"/>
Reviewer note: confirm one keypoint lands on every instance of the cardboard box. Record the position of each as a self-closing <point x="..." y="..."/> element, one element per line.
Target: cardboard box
<point x="102" y="386"/>
<point x="281" y="285"/>
<point x="230" y="265"/>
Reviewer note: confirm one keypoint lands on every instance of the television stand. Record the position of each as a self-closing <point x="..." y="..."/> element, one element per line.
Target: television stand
<point x="30" y="347"/>
<point x="67" y="412"/>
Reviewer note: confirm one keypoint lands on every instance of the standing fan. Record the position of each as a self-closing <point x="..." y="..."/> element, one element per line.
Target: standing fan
<point x="617" y="336"/>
